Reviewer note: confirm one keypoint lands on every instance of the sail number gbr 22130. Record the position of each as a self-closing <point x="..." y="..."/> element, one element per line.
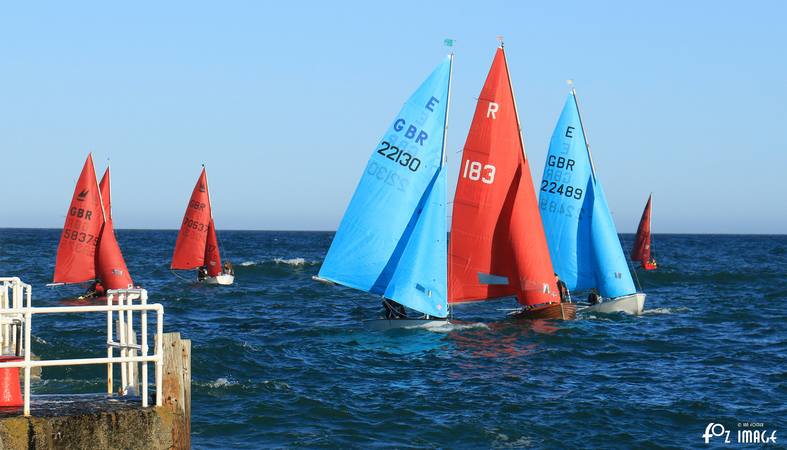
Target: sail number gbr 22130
<point x="396" y="155"/>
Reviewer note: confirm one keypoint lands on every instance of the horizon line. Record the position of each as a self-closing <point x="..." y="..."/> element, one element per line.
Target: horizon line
<point x="333" y="231"/>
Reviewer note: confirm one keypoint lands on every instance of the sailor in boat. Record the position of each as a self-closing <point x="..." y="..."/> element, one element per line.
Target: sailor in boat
<point x="393" y="310"/>
<point x="593" y="297"/>
<point x="565" y="297"/>
<point x="202" y="273"/>
<point x="228" y="269"/>
<point x="651" y="264"/>
<point x="94" y="290"/>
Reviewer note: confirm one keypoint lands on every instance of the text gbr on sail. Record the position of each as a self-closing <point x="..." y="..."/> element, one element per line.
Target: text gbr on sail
<point x="412" y="129"/>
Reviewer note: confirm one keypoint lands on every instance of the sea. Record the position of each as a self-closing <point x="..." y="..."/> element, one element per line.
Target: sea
<point x="281" y="361"/>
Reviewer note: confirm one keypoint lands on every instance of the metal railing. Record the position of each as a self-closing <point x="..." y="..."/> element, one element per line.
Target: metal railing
<point x="12" y="294"/>
<point x="13" y="310"/>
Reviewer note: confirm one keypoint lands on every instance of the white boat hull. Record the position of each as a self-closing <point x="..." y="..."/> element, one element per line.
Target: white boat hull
<point x="221" y="280"/>
<point x="390" y="324"/>
<point x="630" y="304"/>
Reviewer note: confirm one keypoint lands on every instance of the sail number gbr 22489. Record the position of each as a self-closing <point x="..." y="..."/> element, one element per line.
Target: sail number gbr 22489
<point x="395" y="154"/>
<point x="562" y="189"/>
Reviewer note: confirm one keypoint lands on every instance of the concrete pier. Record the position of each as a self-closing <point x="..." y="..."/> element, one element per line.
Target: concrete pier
<point x="108" y="422"/>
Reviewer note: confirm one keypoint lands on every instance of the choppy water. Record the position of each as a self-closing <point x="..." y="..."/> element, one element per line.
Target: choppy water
<point x="279" y="360"/>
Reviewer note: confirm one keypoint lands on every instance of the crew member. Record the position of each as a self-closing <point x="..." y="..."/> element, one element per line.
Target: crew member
<point x="94" y="290"/>
<point x="562" y="289"/>
<point x="594" y="298"/>
<point x="202" y="273"/>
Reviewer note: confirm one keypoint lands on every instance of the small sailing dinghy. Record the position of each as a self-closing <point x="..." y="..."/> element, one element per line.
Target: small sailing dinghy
<point x="392" y="239"/>
<point x="497" y="246"/>
<point x="88" y="250"/>
<point x="197" y="246"/>
<point x="582" y="238"/>
<point x="641" y="251"/>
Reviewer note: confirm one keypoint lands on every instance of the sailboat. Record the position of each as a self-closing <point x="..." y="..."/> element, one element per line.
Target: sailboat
<point x="88" y="250"/>
<point x="642" y="243"/>
<point x="582" y="238"/>
<point x="497" y="246"/>
<point x="197" y="246"/>
<point x="391" y="241"/>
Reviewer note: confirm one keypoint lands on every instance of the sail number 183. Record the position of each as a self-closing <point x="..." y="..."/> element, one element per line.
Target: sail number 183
<point x="476" y="171"/>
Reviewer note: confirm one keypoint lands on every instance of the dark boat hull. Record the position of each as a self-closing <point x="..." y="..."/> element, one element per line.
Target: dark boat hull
<point x="560" y="311"/>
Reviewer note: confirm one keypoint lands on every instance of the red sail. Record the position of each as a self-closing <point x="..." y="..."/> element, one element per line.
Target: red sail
<point x="76" y="253"/>
<point x="212" y="257"/>
<point x="110" y="265"/>
<point x="106" y="192"/>
<point x="497" y="246"/>
<point x="641" y="249"/>
<point x="190" y="246"/>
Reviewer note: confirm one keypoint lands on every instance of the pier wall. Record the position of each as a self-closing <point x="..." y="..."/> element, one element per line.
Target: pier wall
<point x="95" y="421"/>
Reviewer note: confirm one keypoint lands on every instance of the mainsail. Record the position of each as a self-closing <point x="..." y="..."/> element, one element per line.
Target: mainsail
<point x="392" y="238"/>
<point x="497" y="245"/>
<point x="582" y="238"/>
<point x="76" y="252"/>
<point x="641" y="249"/>
<point x="190" y="246"/>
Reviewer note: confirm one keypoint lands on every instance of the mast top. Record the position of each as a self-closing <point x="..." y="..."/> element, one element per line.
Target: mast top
<point x="500" y="40"/>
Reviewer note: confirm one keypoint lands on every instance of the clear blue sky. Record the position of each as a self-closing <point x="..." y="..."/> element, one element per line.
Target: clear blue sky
<point x="285" y="101"/>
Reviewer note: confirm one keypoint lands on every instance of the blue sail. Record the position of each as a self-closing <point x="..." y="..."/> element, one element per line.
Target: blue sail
<point x="583" y="242"/>
<point x="613" y="278"/>
<point x="420" y="280"/>
<point x="391" y="240"/>
<point x="565" y="201"/>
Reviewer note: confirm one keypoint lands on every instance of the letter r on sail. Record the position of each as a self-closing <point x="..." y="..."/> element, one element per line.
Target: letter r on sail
<point x="492" y="109"/>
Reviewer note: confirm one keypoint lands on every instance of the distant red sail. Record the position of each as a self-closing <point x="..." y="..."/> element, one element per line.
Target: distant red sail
<point x="212" y="257"/>
<point x="106" y="193"/>
<point x="641" y="249"/>
<point x="497" y="246"/>
<point x="76" y="253"/>
<point x="190" y="246"/>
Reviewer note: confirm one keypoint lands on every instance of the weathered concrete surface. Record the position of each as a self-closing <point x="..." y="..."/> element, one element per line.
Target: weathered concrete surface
<point x="87" y="422"/>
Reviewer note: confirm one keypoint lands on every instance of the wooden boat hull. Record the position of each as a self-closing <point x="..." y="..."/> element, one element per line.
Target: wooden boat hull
<point x="390" y="324"/>
<point x="561" y="311"/>
<point x="629" y="304"/>
<point x="221" y="280"/>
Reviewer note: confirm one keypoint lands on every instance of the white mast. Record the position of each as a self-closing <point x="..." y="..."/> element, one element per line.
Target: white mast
<point x="582" y="126"/>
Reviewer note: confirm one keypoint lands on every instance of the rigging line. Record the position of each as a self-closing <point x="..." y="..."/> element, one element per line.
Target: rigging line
<point x="215" y="230"/>
<point x="404" y="316"/>
<point x="177" y="275"/>
<point x="630" y="263"/>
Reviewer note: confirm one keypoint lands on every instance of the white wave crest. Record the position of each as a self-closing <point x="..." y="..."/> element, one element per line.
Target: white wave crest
<point x="665" y="310"/>
<point x="222" y="382"/>
<point x="296" y="262"/>
<point x="290" y="261"/>
<point x="449" y="327"/>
